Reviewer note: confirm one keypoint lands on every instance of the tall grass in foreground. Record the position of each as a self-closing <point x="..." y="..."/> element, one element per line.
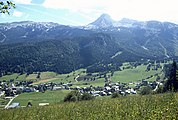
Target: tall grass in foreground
<point x="162" y="107"/>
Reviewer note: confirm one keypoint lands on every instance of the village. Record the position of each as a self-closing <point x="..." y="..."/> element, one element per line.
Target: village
<point x="13" y="90"/>
<point x="82" y="82"/>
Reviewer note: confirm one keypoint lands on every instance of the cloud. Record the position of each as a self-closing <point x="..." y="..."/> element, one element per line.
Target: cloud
<point x="22" y="1"/>
<point x="17" y="13"/>
<point x="136" y="9"/>
<point x="73" y="5"/>
<point x="31" y="11"/>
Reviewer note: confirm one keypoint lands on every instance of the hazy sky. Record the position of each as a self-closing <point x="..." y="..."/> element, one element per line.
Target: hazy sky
<point x="82" y="12"/>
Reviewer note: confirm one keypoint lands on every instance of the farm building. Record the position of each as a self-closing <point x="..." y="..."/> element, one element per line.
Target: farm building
<point x="13" y="105"/>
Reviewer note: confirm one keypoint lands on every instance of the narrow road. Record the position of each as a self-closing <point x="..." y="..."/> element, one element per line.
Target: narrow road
<point x="10" y="102"/>
<point x="156" y="88"/>
<point x="77" y="78"/>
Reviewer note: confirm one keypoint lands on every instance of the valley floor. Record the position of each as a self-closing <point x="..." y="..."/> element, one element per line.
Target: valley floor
<point x="129" y="77"/>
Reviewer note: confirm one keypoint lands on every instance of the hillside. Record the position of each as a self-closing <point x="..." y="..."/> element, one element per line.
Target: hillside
<point x="60" y="56"/>
<point x="127" y="74"/>
<point x="162" y="106"/>
<point x="28" y="46"/>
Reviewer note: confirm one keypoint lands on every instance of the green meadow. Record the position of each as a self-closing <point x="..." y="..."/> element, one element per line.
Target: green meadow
<point x="124" y="76"/>
<point x="149" y="107"/>
<point x="51" y="97"/>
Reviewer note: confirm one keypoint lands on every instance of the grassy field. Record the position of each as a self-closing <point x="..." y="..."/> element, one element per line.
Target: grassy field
<point x="58" y="78"/>
<point x="15" y="76"/>
<point x="124" y="76"/>
<point x="8" y="77"/>
<point x="98" y="82"/>
<point x="151" y="107"/>
<point x="51" y="97"/>
<point x="134" y="75"/>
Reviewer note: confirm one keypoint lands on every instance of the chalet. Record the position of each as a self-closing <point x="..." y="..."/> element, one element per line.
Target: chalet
<point x="108" y="88"/>
<point x="13" y="105"/>
<point x="109" y="93"/>
<point x="153" y="84"/>
<point x="127" y="91"/>
<point x="102" y="93"/>
<point x="43" y="104"/>
<point x="133" y="91"/>
<point x="57" y="88"/>
<point x="28" y="89"/>
<point x="144" y="82"/>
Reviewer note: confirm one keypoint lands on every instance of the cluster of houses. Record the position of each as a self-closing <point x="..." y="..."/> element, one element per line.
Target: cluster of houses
<point x="107" y="89"/>
<point x="12" y="88"/>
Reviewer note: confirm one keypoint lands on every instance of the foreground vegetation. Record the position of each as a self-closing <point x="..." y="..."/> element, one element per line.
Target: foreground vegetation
<point x="162" y="106"/>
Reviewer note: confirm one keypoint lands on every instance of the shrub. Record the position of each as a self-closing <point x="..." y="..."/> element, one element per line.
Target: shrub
<point x="146" y="90"/>
<point x="160" y="89"/>
<point x="87" y="96"/>
<point x="75" y="96"/>
<point x="29" y="104"/>
<point x="115" y="95"/>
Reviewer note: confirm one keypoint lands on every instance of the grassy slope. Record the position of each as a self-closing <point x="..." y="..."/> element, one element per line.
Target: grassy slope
<point x="98" y="82"/>
<point x="8" y="77"/>
<point x="15" y="76"/>
<point x="134" y="75"/>
<point x="44" y="76"/>
<point x="162" y="107"/>
<point x="125" y="76"/>
<point x="36" y="98"/>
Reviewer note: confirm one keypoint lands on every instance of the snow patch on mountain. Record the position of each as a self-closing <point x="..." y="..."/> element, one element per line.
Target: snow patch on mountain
<point x="165" y="51"/>
<point x="3" y="38"/>
<point x="118" y="53"/>
<point x="144" y="48"/>
<point x="27" y="24"/>
<point x="25" y="35"/>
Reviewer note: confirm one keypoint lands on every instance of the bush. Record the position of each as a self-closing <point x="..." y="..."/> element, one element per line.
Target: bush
<point x="87" y="96"/>
<point x="75" y="96"/>
<point x="115" y="95"/>
<point x="160" y="89"/>
<point x="146" y="90"/>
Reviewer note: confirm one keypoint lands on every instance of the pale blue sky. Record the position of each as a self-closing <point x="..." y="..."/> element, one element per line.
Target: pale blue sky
<point x="82" y="12"/>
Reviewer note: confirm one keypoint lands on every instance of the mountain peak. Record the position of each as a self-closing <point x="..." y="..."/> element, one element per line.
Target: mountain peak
<point x="103" y="21"/>
<point x="105" y="16"/>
